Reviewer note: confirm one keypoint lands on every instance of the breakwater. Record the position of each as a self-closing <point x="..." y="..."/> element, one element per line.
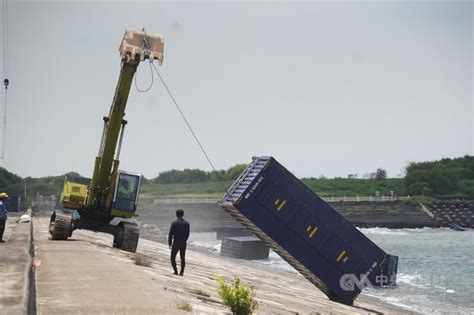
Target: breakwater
<point x="452" y="213"/>
<point x="390" y="214"/>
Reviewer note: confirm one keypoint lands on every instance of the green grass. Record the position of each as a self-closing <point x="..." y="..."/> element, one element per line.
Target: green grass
<point x="355" y="187"/>
<point x="189" y="190"/>
<point x="323" y="187"/>
<point x="426" y="200"/>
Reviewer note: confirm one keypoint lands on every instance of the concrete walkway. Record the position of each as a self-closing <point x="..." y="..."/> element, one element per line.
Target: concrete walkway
<point x="79" y="277"/>
<point x="15" y="266"/>
<point x="86" y="275"/>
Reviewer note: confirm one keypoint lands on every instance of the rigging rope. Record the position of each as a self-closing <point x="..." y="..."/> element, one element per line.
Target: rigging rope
<point x="4" y="125"/>
<point x="151" y="83"/>
<point x="5" y="38"/>
<point x="5" y="70"/>
<point x="189" y="127"/>
<point x="144" y="49"/>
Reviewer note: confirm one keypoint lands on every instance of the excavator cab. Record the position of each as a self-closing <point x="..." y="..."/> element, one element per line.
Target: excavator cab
<point x="127" y="188"/>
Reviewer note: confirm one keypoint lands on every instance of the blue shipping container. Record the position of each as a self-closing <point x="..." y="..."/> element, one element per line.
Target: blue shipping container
<point x="307" y="232"/>
<point x="13" y="204"/>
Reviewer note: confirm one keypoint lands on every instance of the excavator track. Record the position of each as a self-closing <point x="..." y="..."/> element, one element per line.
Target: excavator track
<point x="127" y="239"/>
<point x="118" y="238"/>
<point x="60" y="226"/>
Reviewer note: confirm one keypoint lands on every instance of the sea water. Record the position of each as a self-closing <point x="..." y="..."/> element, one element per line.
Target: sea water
<point x="435" y="268"/>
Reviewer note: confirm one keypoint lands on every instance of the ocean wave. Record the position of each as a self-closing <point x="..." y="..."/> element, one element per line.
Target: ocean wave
<point x="383" y="231"/>
<point x="392" y="300"/>
<point x="399" y="303"/>
<point x="275" y="261"/>
<point x="413" y="280"/>
<point x="421" y="303"/>
<point x="428" y="229"/>
<point x="404" y="231"/>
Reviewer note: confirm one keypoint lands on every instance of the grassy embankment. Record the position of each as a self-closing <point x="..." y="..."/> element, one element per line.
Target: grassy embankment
<point x="323" y="187"/>
<point x="443" y="178"/>
<point x="151" y="190"/>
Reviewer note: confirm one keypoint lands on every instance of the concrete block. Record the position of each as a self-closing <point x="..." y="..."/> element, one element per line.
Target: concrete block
<point x="231" y="232"/>
<point x="245" y="247"/>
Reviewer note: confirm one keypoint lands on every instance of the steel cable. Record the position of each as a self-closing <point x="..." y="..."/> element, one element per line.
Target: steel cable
<point x="189" y="127"/>
<point x="5" y="70"/>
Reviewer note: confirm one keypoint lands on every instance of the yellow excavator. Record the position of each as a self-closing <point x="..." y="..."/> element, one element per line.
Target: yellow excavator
<point x="110" y="193"/>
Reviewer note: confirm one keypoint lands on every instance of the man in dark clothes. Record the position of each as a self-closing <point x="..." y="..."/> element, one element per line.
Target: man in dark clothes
<point x="179" y="234"/>
<point x="3" y="215"/>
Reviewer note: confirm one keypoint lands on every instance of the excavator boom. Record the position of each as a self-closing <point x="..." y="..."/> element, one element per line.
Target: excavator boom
<point x="98" y="200"/>
<point x="136" y="46"/>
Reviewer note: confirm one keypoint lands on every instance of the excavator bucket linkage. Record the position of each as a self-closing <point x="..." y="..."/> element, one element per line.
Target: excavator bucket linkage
<point x="142" y="45"/>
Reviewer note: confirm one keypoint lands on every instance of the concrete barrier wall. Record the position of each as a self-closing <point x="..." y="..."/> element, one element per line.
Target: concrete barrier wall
<point x="156" y="218"/>
<point x="390" y="214"/>
<point x="15" y="267"/>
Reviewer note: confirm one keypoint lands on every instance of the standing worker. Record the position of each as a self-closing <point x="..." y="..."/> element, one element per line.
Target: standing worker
<point x="177" y="238"/>
<point x="3" y="215"/>
<point x="125" y="191"/>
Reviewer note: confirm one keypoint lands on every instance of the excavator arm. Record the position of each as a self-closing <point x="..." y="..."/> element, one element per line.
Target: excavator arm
<point x="109" y="193"/>
<point x="135" y="47"/>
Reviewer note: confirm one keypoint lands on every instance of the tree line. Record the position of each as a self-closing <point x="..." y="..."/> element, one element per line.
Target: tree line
<point x="446" y="177"/>
<point x="198" y="176"/>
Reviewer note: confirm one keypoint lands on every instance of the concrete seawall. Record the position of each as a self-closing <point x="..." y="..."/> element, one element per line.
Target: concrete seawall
<point x="85" y="275"/>
<point x="389" y="214"/>
<point x="206" y="217"/>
